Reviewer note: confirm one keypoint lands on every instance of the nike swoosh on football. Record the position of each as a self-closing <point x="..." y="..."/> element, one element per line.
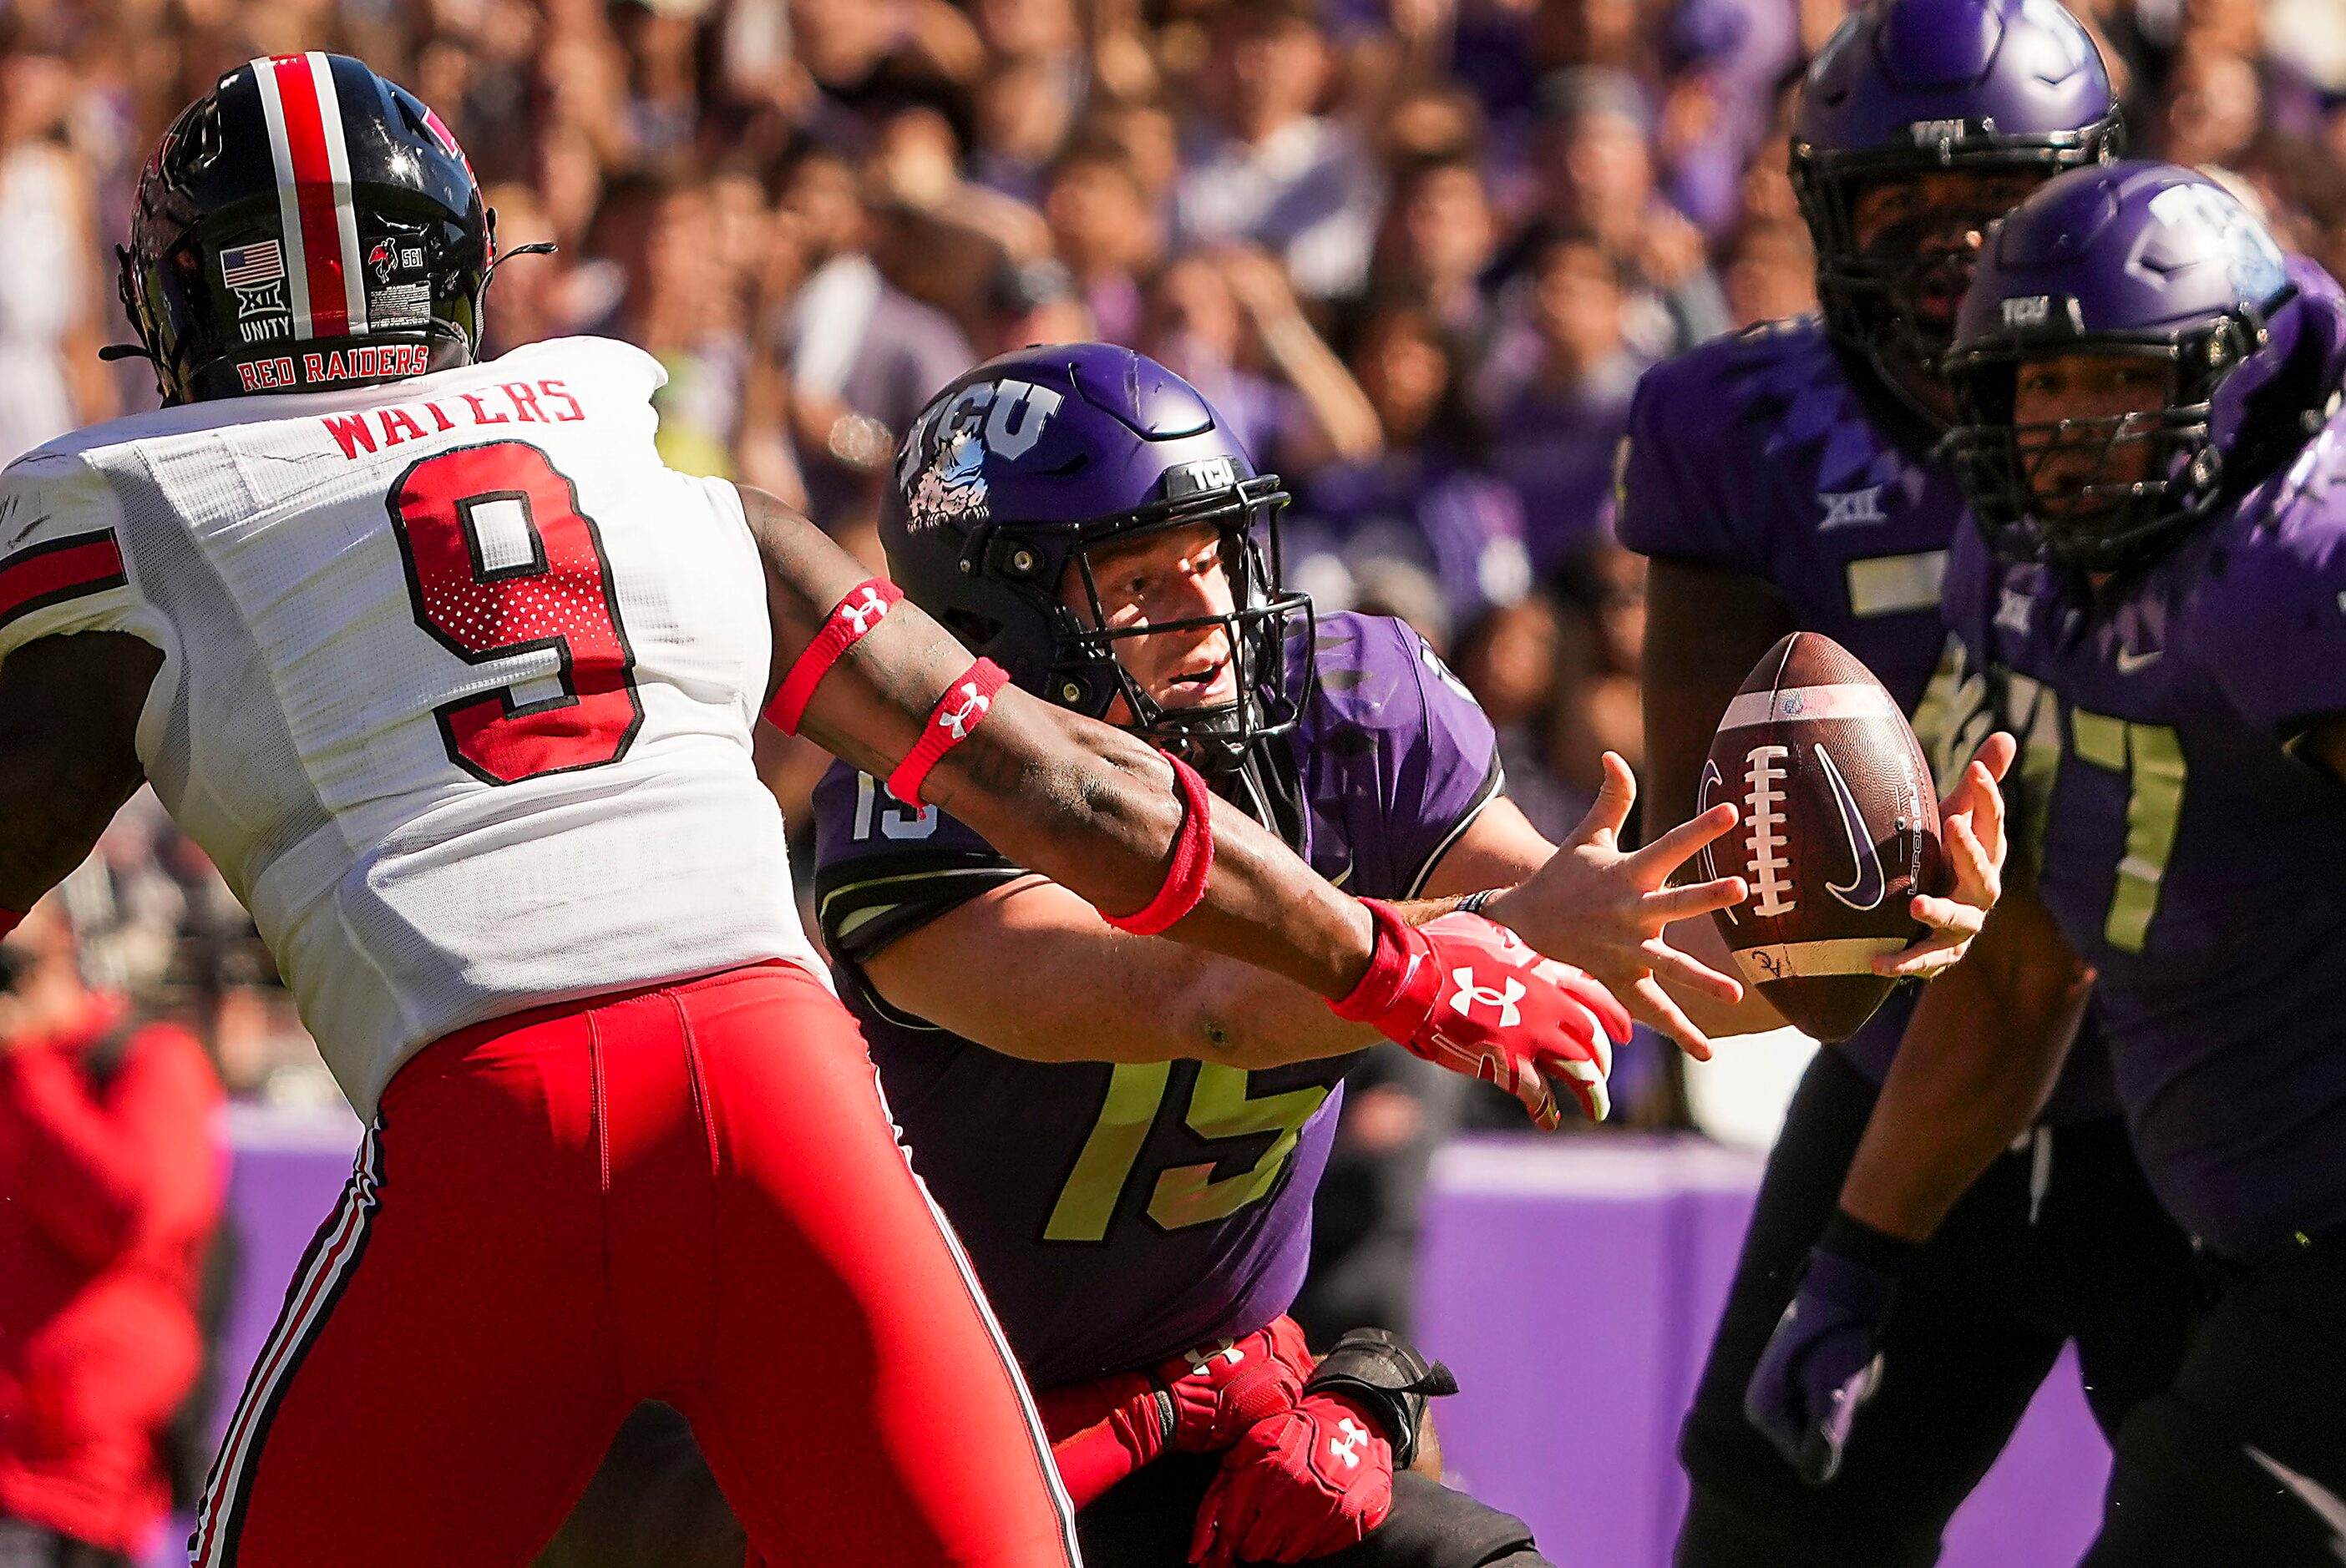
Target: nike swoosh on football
<point x="2129" y="661"/>
<point x="1866" y="885"/>
<point x="2326" y="1503"/>
<point x="1703" y="802"/>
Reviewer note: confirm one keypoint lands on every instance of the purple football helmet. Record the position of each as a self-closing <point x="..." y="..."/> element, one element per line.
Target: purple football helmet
<point x="1027" y="463"/>
<point x="1907" y="88"/>
<point x="2154" y="262"/>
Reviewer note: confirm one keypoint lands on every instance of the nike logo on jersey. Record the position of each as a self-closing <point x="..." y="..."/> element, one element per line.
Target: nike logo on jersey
<point x="1851" y="508"/>
<point x="2327" y="1505"/>
<point x="2129" y="661"/>
<point x="1866" y="885"/>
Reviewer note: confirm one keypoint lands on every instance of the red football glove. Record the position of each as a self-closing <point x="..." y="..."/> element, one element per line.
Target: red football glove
<point x="1197" y="1401"/>
<point x="1220" y="1390"/>
<point x="1304" y="1484"/>
<point x="1472" y="996"/>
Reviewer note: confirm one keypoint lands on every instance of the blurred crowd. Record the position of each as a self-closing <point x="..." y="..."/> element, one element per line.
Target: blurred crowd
<point x="1418" y="251"/>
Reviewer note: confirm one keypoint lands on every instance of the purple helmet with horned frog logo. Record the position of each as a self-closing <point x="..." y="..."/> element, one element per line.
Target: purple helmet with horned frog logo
<point x="1019" y="469"/>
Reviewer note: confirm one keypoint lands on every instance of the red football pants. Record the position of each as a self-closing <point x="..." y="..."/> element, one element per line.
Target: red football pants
<point x="690" y="1193"/>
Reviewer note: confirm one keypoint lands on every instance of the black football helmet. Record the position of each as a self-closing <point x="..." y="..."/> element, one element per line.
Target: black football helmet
<point x="304" y="225"/>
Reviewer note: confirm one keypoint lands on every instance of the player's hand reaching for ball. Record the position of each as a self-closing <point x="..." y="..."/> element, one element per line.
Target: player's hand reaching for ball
<point x="1971" y="831"/>
<point x="1604" y="909"/>
<point x="1469" y="995"/>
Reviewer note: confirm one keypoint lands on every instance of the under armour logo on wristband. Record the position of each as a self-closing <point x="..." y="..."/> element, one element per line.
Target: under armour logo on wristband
<point x="1502" y="996"/>
<point x="863" y="613"/>
<point x="959" y="722"/>
<point x="1346" y="1446"/>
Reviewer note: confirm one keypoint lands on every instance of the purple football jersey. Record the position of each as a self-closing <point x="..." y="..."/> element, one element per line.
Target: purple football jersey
<point x="1120" y="1214"/>
<point x="1762" y="454"/>
<point x="2193" y="860"/>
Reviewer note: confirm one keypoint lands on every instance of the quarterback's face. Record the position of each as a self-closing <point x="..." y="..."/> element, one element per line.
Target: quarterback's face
<point x="1174" y="576"/>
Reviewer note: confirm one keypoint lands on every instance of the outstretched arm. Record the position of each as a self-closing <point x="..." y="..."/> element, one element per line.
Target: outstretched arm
<point x="1040" y="993"/>
<point x="68" y="716"/>
<point x="1082" y="803"/>
<point x="1096" y="810"/>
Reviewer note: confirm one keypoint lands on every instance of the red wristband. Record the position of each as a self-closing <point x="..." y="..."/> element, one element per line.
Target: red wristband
<point x="10" y="919"/>
<point x="962" y="708"/>
<point x="1393" y="964"/>
<point x="1193" y="858"/>
<point x="864" y="607"/>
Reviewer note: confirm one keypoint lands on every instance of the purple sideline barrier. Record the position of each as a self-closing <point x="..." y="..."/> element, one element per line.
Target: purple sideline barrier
<point x="289" y="1168"/>
<point x="1570" y="1284"/>
<point x="1573" y="1285"/>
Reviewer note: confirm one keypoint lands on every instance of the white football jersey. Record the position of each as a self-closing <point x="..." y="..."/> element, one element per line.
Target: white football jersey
<point x="458" y="685"/>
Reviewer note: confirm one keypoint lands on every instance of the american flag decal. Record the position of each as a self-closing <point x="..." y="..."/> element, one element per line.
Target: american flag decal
<point x="252" y="266"/>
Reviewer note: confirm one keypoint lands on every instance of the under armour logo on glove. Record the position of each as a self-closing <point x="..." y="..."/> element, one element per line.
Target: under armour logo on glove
<point x="1305" y="1485"/>
<point x="1352" y="1436"/>
<point x="1534" y="1020"/>
<point x="1502" y="996"/>
<point x="861" y="614"/>
<point x="959" y="720"/>
<point x="1222" y="1389"/>
<point x="1221" y="1351"/>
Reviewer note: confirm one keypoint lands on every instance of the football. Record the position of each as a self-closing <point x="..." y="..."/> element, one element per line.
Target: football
<point x="1839" y="829"/>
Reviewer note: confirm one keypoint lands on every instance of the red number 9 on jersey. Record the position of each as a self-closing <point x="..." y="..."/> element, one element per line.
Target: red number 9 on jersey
<point x="501" y="561"/>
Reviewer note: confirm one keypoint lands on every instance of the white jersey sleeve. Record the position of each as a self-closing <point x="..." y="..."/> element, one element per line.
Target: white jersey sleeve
<point x="458" y="688"/>
<point x="61" y="566"/>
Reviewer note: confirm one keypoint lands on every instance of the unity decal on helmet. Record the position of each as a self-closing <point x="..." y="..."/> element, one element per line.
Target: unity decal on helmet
<point x="991" y="419"/>
<point x="255" y="274"/>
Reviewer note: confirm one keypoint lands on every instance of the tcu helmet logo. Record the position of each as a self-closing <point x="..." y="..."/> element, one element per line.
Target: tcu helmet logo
<point x="1000" y="418"/>
<point x="2028" y="310"/>
<point x="959" y="722"/>
<point x="1345" y="1446"/>
<point x="862" y="615"/>
<point x="1502" y="996"/>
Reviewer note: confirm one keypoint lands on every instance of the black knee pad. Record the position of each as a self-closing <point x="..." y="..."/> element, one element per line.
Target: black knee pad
<point x="1432" y="1526"/>
<point x="2186" y="1488"/>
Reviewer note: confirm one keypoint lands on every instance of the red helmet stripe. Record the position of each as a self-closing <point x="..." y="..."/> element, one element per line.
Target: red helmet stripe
<point x="447" y="139"/>
<point x="313" y="194"/>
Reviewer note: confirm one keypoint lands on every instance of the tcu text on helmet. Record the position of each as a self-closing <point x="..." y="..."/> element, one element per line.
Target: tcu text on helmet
<point x="1014" y="414"/>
